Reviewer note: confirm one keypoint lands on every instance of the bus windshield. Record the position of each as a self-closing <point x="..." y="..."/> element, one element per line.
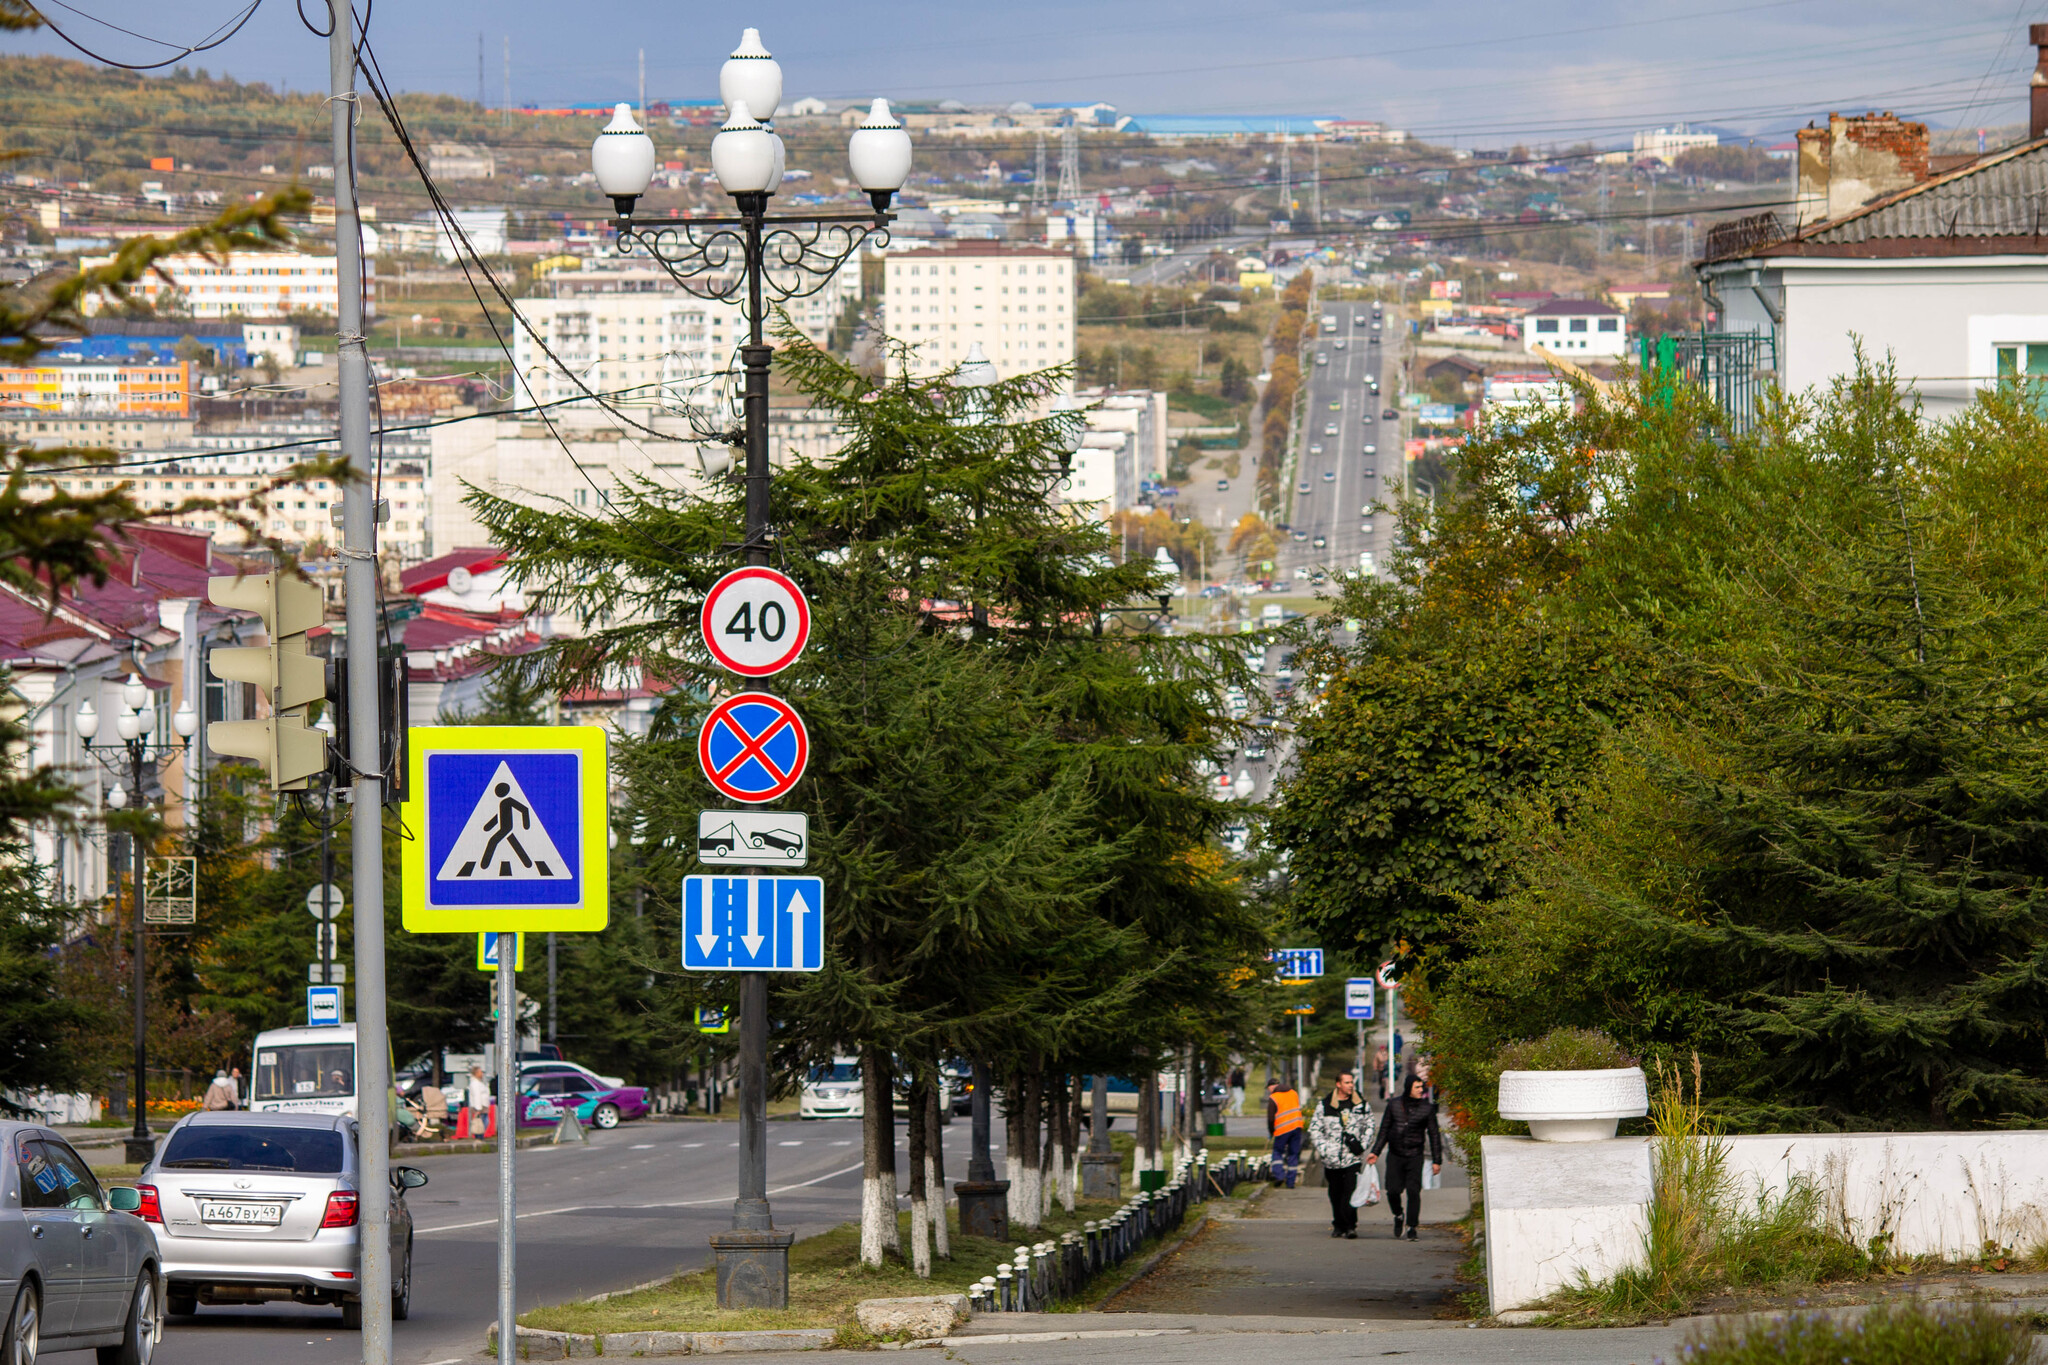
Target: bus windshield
<point x="305" y="1071"/>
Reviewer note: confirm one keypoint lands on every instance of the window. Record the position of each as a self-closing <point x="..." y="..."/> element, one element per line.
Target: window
<point x="53" y="1177"/>
<point x="310" y="1151"/>
<point x="1610" y="324"/>
<point x="304" y="1070"/>
<point x="1546" y="324"/>
<point x="1578" y="324"/>
<point x="2026" y="366"/>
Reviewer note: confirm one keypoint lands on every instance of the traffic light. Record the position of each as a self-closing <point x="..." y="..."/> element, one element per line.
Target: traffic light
<point x="289" y="749"/>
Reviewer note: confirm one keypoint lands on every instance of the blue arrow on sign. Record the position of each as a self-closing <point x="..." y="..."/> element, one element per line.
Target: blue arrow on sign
<point x="753" y="924"/>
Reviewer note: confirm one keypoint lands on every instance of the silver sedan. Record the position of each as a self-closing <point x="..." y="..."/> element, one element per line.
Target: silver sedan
<point x="76" y="1269"/>
<point x="249" y="1207"/>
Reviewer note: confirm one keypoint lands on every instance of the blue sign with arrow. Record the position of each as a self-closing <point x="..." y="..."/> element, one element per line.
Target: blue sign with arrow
<point x="753" y="924"/>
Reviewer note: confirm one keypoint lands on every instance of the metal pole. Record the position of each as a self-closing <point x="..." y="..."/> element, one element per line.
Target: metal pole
<point x="326" y="921"/>
<point x="1393" y="1029"/>
<point x="508" y="1143"/>
<point x="750" y="1211"/>
<point x="366" y="734"/>
<point x="981" y="1166"/>
<point x="554" y="1021"/>
<point x="1300" y="1073"/>
<point x="139" y="1140"/>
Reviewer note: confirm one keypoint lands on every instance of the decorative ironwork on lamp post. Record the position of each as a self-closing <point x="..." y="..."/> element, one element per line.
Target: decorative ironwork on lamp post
<point x="755" y="257"/>
<point x="134" y="728"/>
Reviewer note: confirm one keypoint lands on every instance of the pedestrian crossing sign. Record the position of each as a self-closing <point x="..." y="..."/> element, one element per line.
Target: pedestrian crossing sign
<point x="505" y="829"/>
<point x="490" y="947"/>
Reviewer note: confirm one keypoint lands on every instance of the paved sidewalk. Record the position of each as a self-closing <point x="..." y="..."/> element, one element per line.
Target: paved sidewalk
<point x="1278" y="1261"/>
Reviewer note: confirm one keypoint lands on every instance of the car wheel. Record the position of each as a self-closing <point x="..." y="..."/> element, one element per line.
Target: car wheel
<point x="25" y="1327"/>
<point x="142" y="1331"/>
<point x="401" y="1288"/>
<point x="606" y="1116"/>
<point x="352" y="1315"/>
<point x="181" y="1303"/>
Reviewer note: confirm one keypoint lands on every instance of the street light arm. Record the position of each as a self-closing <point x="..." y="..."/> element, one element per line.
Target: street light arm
<point x="707" y="257"/>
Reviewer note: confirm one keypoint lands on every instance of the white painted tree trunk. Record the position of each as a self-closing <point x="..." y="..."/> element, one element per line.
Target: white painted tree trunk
<point x="941" y="1235"/>
<point x="1030" y="1201"/>
<point x="878" y="1234"/>
<point x="1013" y="1171"/>
<point x="920" y="1238"/>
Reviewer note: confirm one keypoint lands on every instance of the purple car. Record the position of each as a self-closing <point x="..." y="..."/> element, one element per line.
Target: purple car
<point x="548" y="1088"/>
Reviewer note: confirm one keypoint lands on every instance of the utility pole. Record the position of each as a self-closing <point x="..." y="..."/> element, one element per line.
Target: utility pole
<point x="1286" y="181"/>
<point x="1070" y="167"/>
<point x="1038" y="176"/>
<point x="1316" y="155"/>
<point x="366" y="734"/>
<point x="1601" y="212"/>
<point x="505" y="110"/>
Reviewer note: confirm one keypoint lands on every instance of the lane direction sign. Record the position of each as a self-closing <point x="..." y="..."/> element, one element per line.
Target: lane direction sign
<point x="755" y="621"/>
<point x="753" y="747"/>
<point x="753" y="838"/>
<point x="1358" y="997"/>
<point x="1296" y="964"/>
<point x="753" y="924"/>
<point x="509" y="829"/>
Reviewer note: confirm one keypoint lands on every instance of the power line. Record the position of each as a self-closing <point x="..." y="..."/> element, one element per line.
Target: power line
<point x="212" y="40"/>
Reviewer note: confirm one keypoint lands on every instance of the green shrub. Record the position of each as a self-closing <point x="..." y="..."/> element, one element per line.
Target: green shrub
<point x="1564" y="1049"/>
<point x="1910" y="1333"/>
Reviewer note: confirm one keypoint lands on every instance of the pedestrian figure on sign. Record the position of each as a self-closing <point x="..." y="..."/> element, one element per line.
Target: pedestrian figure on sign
<point x="1340" y="1130"/>
<point x="1284" y="1122"/>
<point x="1408" y="1120"/>
<point x="502" y="824"/>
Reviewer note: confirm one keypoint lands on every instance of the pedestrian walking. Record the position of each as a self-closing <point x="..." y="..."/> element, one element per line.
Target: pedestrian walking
<point x="220" y="1094"/>
<point x="1340" y="1130"/>
<point x="1409" y="1118"/>
<point x="1237" y="1092"/>
<point x="1379" y="1069"/>
<point x="234" y="1087"/>
<point x="1284" y="1122"/>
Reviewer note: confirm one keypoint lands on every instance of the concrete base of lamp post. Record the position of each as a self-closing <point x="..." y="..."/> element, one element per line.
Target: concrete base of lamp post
<point x="984" y="1208"/>
<point x="140" y="1149"/>
<point x="1102" y="1177"/>
<point x="753" y="1268"/>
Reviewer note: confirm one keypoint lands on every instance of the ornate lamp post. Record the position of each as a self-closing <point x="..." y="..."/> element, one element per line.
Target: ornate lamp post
<point x="756" y="257"/>
<point x="135" y="727"/>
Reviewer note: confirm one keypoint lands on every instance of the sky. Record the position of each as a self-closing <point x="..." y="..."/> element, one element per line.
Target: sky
<point x="1480" y="73"/>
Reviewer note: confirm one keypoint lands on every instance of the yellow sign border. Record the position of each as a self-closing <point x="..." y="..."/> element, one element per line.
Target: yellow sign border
<point x="484" y="964"/>
<point x="591" y="914"/>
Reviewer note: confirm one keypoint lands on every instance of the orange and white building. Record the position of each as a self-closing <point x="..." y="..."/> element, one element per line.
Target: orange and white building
<point x="97" y="388"/>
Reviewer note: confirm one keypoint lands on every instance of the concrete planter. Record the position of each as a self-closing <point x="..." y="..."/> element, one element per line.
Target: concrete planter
<point x="1574" y="1106"/>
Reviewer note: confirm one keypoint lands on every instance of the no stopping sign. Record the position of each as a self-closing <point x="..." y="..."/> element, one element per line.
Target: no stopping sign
<point x="755" y="621"/>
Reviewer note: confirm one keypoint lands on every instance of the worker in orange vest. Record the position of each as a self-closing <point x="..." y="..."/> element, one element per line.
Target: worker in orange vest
<point x="1285" y="1123"/>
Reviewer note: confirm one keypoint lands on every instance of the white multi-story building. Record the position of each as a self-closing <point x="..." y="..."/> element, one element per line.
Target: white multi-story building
<point x="265" y="284"/>
<point x="1579" y="328"/>
<point x="1666" y="143"/>
<point x="1016" y="301"/>
<point x="632" y="333"/>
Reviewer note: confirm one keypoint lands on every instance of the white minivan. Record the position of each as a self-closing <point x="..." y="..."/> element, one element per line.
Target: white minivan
<point x="310" y="1070"/>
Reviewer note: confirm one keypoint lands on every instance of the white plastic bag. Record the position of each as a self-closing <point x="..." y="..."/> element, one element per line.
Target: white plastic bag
<point x="1431" y="1178"/>
<point x="1367" y="1192"/>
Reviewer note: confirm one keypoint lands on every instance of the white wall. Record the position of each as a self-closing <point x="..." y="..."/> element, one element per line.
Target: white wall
<point x="1557" y="1209"/>
<point x="1938" y="320"/>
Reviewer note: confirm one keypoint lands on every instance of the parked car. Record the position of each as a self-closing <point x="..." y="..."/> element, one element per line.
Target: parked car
<point x="1322" y="358"/>
<point x="1370" y="449"/>
<point x="1315" y="448"/>
<point x="248" y="1207"/>
<point x="832" y="1092"/>
<point x="1338" y="344"/>
<point x="76" y="1269"/>
<point x="1222" y="485"/>
<point x="528" y="1070"/>
<point x="960" y="1084"/>
<point x="545" y="1094"/>
<point x="1303" y="489"/>
<point x="1388" y="415"/>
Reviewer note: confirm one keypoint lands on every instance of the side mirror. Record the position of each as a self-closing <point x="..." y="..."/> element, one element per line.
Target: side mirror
<point x="408" y="1177"/>
<point x="124" y="1199"/>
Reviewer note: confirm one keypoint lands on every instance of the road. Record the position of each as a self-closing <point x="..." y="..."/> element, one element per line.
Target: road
<point x="1347" y="452"/>
<point x="635" y="1205"/>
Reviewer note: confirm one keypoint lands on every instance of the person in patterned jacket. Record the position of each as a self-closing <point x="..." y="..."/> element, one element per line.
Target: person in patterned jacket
<point x="1341" y="1130"/>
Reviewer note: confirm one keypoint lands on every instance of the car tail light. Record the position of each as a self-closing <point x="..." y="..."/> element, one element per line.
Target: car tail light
<point x="151" y="1210"/>
<point x="341" y="1210"/>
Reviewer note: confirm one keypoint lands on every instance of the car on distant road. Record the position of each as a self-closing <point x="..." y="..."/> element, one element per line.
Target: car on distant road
<point x="1372" y="338"/>
<point x="1315" y="448"/>
<point x="1222" y="485"/>
<point x="1388" y="415"/>
<point x="76" y="1268"/>
<point x="591" y="1080"/>
<point x="1329" y="475"/>
<point x="1330" y="429"/>
<point x="1338" y="344"/>
<point x="1322" y="357"/>
<point x="1337" y="406"/>
<point x="252" y="1207"/>
<point x="1304" y="487"/>
<point x="1298" y="535"/>
<point x="1358" y="319"/>
<point x="1321" y="542"/>
<point x="544" y="1095"/>
<point x="1371" y="449"/>
<point x="832" y="1091"/>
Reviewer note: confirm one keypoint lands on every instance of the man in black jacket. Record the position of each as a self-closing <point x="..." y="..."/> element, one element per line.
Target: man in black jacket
<point x="1409" y="1117"/>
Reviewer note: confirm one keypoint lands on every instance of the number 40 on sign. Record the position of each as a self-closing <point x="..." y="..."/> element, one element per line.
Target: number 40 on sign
<point x="755" y="621"/>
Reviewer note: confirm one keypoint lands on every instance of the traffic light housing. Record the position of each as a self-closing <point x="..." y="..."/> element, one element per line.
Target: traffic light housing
<point x="290" y="750"/>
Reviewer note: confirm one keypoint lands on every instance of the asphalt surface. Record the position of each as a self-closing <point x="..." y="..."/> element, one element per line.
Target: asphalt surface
<point x="1340" y="476"/>
<point x="635" y="1205"/>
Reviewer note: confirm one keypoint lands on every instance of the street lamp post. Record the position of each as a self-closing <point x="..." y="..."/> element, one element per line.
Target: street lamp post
<point x="134" y="727"/>
<point x="756" y="257"/>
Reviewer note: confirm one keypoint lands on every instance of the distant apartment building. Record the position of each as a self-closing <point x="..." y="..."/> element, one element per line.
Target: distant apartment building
<point x="1016" y="301"/>
<point x="104" y="431"/>
<point x="136" y="341"/>
<point x="1664" y="144"/>
<point x="1577" y="328"/>
<point x="265" y="284"/>
<point x="299" y="516"/>
<point x="633" y="334"/>
<point x="1125" y="443"/>
<point x="460" y="161"/>
<point x="86" y="387"/>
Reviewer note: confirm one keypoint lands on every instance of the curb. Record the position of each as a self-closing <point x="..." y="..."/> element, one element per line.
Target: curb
<point x="469" y="1146"/>
<point x="1152" y="1262"/>
<point x="1017" y="1338"/>
<point x="537" y="1344"/>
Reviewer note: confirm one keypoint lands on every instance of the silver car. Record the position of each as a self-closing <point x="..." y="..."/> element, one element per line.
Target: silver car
<point x="76" y="1269"/>
<point x="249" y="1207"/>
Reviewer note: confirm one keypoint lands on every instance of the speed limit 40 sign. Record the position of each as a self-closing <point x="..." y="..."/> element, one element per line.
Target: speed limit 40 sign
<point x="755" y="621"/>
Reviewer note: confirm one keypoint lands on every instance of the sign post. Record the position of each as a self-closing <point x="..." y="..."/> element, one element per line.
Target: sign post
<point x="1358" y="1001"/>
<point x="1385" y="976"/>
<point x="511" y="836"/>
<point x="753" y="748"/>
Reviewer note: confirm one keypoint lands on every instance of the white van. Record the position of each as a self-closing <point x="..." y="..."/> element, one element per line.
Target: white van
<point x="311" y="1070"/>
